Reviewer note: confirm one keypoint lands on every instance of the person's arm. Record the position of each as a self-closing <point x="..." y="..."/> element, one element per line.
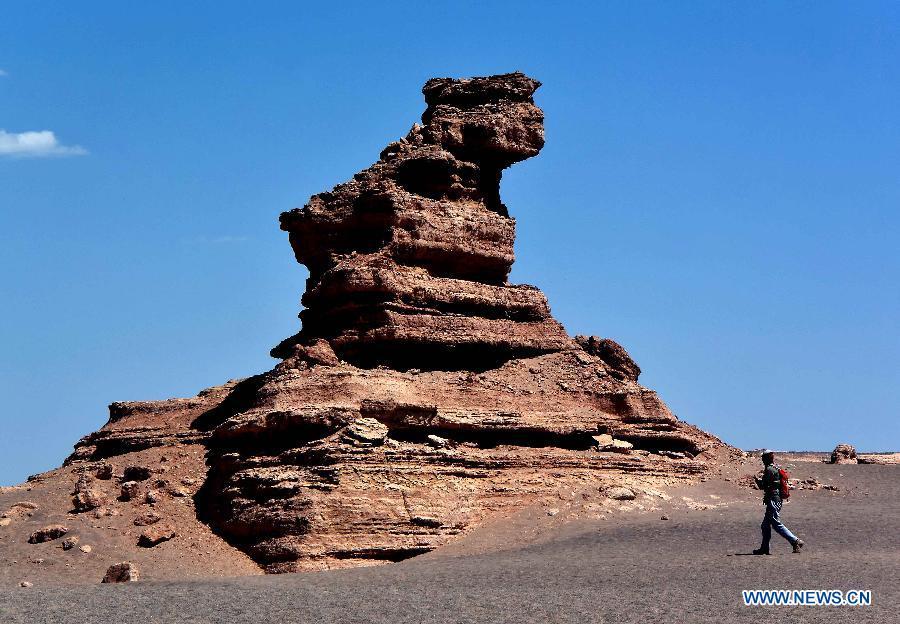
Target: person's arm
<point x="767" y="478"/>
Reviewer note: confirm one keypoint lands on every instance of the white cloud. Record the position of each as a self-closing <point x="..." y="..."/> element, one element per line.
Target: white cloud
<point x="35" y="144"/>
<point x="3" y="73"/>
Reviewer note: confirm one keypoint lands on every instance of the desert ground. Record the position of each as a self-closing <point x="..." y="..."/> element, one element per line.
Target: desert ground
<point x="565" y="563"/>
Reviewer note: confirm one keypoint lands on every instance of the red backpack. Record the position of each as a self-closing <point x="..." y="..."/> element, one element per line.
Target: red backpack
<point x="783" y="486"/>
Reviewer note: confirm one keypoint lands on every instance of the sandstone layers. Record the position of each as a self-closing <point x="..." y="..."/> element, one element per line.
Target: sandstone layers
<point x="408" y="261"/>
<point x="423" y="394"/>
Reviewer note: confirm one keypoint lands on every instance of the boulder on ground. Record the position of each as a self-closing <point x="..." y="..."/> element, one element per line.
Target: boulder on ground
<point x="130" y="490"/>
<point x="70" y="542"/>
<point x="843" y="454"/>
<point x="106" y="512"/>
<point x="124" y="572"/>
<point x="104" y="471"/>
<point x="155" y="535"/>
<point x="619" y="493"/>
<point x="87" y="496"/>
<point x="148" y="518"/>
<point x="48" y="533"/>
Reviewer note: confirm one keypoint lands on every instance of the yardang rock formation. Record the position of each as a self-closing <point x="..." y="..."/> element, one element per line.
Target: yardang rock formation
<point x="424" y="394"/>
<point x="408" y="261"/>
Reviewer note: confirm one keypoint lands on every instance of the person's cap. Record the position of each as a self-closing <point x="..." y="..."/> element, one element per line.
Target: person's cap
<point x="767" y="452"/>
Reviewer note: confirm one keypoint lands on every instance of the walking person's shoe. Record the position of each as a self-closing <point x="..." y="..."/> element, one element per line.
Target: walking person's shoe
<point x="798" y="545"/>
<point x="760" y="551"/>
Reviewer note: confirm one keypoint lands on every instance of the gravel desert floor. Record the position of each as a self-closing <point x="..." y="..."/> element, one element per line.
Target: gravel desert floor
<point x="563" y="566"/>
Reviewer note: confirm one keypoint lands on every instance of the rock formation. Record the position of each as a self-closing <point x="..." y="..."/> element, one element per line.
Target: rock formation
<point x="423" y="394"/>
<point x="843" y="454"/>
<point x="121" y="573"/>
<point x="408" y="261"/>
<point x="319" y="463"/>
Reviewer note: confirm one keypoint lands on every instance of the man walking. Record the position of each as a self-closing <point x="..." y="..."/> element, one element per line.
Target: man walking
<point x="770" y="484"/>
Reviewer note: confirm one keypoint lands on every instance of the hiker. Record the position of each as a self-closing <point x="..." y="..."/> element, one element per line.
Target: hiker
<point x="774" y="485"/>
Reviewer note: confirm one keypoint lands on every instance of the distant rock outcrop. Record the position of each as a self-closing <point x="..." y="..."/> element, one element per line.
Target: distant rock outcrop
<point x="843" y="454"/>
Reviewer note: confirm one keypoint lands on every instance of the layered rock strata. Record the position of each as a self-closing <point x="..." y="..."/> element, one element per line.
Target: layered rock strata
<point x="457" y="395"/>
<point x="332" y="466"/>
<point x="424" y="394"/>
<point x="408" y="261"/>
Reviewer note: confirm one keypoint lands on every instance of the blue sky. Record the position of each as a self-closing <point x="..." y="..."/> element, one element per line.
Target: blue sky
<point x="719" y="193"/>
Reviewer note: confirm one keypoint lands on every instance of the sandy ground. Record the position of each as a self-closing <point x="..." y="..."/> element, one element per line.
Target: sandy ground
<point x="195" y="553"/>
<point x="565" y="564"/>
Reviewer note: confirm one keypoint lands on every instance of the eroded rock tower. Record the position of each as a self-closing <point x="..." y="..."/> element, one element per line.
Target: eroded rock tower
<point x="423" y="393"/>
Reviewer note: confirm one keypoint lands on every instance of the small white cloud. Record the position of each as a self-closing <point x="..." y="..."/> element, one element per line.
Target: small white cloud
<point x="3" y="73"/>
<point x="35" y="144"/>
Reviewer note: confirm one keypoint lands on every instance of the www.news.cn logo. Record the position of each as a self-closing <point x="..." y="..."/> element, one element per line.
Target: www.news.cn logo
<point x="808" y="597"/>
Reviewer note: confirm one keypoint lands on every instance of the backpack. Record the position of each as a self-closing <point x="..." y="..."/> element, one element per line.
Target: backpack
<point x="784" y="487"/>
